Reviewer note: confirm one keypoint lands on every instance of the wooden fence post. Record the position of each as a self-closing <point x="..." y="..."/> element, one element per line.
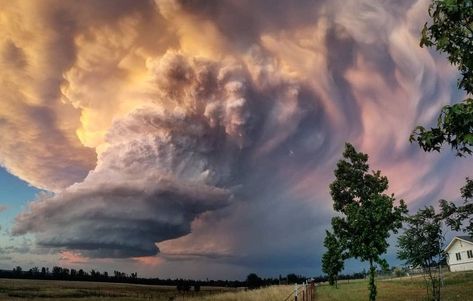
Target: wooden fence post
<point x="309" y="295"/>
<point x="295" y="293"/>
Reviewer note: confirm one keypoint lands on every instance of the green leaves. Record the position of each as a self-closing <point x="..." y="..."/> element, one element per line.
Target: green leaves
<point x="421" y="245"/>
<point x="454" y="127"/>
<point x="456" y="215"/>
<point x="332" y="260"/>
<point x="421" y="242"/>
<point x="451" y="32"/>
<point x="368" y="214"/>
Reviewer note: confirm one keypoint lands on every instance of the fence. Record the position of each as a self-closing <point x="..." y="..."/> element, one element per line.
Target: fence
<point x="302" y="292"/>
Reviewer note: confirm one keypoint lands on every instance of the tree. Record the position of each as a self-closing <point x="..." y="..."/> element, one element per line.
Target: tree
<point x="253" y="281"/>
<point x="368" y="215"/>
<point x="57" y="271"/>
<point x="332" y="260"/>
<point x="18" y="270"/>
<point x="451" y="32"/>
<point x="421" y="245"/>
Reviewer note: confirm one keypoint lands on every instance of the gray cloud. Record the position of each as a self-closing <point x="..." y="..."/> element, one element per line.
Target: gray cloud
<point x="119" y="219"/>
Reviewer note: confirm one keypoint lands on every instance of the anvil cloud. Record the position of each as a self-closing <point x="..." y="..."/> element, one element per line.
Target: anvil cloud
<point x="207" y="131"/>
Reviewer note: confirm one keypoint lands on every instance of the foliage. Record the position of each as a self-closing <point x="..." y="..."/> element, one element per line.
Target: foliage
<point x="454" y="127"/>
<point x="455" y="215"/>
<point x="451" y="32"/>
<point x="421" y="245"/>
<point x="368" y="215"/>
<point x="399" y="272"/>
<point x="332" y="260"/>
<point x="253" y="281"/>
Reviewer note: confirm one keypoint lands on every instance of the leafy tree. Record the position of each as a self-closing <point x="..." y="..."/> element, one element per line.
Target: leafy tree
<point x="421" y="245"/>
<point x="451" y="32"/>
<point x="368" y="215"/>
<point x="332" y="260"/>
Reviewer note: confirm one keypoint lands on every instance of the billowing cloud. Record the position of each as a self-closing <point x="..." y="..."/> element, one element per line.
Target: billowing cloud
<point x="211" y="128"/>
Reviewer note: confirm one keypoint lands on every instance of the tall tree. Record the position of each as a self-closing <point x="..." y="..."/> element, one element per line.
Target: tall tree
<point x="332" y="260"/>
<point x="451" y="32"/>
<point x="368" y="215"/>
<point x="421" y="246"/>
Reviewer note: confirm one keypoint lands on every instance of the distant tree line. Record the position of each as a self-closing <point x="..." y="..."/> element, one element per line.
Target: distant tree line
<point x="252" y="280"/>
<point x="61" y="273"/>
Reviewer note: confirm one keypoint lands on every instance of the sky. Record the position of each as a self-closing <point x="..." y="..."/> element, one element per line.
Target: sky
<point x="197" y="139"/>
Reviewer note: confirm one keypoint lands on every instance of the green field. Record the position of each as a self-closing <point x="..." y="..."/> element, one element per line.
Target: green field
<point x="458" y="287"/>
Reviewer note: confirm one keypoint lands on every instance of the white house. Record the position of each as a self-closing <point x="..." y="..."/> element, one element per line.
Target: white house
<point x="460" y="253"/>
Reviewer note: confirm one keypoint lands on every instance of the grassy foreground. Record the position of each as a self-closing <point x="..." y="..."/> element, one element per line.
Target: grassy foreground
<point x="272" y="293"/>
<point x="458" y="287"/>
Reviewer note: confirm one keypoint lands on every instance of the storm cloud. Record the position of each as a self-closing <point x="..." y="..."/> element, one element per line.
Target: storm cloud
<point x="208" y="130"/>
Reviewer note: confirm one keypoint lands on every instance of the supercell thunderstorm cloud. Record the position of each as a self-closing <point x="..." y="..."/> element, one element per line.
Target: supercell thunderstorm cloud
<point x="207" y="132"/>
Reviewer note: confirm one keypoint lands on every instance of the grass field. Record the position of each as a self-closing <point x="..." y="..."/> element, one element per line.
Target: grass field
<point x="458" y="287"/>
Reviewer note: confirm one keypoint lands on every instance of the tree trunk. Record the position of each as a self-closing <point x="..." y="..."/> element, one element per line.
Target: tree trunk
<point x="372" y="285"/>
<point x="435" y="283"/>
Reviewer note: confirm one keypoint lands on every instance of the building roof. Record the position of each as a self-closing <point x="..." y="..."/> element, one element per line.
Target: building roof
<point x="468" y="239"/>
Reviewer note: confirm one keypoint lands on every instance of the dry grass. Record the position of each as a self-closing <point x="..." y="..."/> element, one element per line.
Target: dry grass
<point x="45" y="290"/>
<point x="272" y="293"/>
